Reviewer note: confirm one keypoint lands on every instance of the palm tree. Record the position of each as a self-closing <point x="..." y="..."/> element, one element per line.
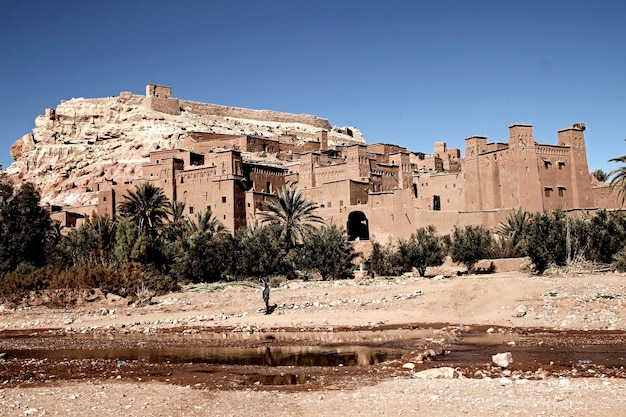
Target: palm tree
<point x="511" y="232"/>
<point x="293" y="214"/>
<point x="147" y="207"/>
<point x="205" y="222"/>
<point x="618" y="180"/>
<point x="514" y="227"/>
<point x="177" y="224"/>
<point x="93" y="242"/>
<point x="177" y="212"/>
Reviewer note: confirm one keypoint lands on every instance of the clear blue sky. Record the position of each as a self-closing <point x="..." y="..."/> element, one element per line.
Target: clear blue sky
<point x="405" y="72"/>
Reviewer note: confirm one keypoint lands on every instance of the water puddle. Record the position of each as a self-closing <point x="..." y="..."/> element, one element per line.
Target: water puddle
<point x="532" y="350"/>
<point x="312" y="348"/>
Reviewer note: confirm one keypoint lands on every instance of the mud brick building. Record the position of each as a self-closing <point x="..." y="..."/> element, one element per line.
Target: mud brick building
<point x="377" y="190"/>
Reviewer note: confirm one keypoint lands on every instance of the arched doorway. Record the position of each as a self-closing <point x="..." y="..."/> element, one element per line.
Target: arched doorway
<point x="358" y="226"/>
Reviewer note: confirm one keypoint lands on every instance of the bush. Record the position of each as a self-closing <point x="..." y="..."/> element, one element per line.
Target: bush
<point x="421" y="250"/>
<point x="606" y="233"/>
<point x="382" y="259"/>
<point x="470" y="244"/>
<point x="205" y="257"/>
<point x="258" y="252"/>
<point x="328" y="251"/>
<point x="546" y="239"/>
<point x="15" y="285"/>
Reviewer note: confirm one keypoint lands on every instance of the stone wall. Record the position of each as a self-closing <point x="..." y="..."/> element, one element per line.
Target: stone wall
<point x="261" y="115"/>
<point x="164" y="105"/>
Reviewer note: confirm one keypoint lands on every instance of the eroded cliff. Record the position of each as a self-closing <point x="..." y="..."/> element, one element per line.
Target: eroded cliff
<point x="84" y="141"/>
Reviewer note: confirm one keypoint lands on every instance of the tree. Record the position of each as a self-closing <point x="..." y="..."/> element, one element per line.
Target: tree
<point x="177" y="225"/>
<point x="382" y="260"/>
<point x="24" y="226"/>
<point x="470" y="244"/>
<point x="258" y="252"/>
<point x="545" y="240"/>
<point x="92" y="243"/>
<point x="206" y="258"/>
<point x="328" y="250"/>
<point x="294" y="214"/>
<point x="147" y="207"/>
<point x="606" y="235"/>
<point x="600" y="175"/>
<point x="421" y="250"/>
<point x="205" y="222"/>
<point x="510" y="233"/>
<point x="618" y="178"/>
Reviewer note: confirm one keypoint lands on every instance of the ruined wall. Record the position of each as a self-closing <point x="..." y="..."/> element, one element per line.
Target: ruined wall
<point x="164" y="105"/>
<point x="159" y="98"/>
<point x="262" y="115"/>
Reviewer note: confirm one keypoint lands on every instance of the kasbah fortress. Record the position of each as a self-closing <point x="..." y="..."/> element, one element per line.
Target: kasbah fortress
<point x="373" y="191"/>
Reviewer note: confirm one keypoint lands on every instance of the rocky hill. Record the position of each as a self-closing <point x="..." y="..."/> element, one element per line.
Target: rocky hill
<point x="85" y="141"/>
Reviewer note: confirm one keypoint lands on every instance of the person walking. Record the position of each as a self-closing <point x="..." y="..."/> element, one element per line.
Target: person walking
<point x="266" y="297"/>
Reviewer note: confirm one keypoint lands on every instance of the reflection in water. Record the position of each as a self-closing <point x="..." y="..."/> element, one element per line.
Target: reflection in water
<point x="268" y="357"/>
<point x="263" y="356"/>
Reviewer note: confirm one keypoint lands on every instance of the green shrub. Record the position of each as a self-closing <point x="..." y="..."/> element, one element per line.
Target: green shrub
<point x="382" y="259"/>
<point x="470" y="244"/>
<point x="545" y="240"/>
<point x="421" y="250"/>
<point x="606" y="234"/>
<point x="328" y="251"/>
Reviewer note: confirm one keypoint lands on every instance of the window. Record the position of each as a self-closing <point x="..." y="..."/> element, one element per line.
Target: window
<point x="436" y="203"/>
<point x="104" y="198"/>
<point x="223" y="199"/>
<point x="190" y="209"/>
<point x="561" y="191"/>
<point x="561" y="164"/>
<point x="547" y="191"/>
<point x="182" y="179"/>
<point x="340" y="203"/>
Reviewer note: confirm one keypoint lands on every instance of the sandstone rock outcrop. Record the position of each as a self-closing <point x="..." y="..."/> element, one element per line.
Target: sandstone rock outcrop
<point x="84" y="141"/>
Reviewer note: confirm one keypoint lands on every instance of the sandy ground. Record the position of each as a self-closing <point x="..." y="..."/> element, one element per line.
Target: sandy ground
<point x="584" y="301"/>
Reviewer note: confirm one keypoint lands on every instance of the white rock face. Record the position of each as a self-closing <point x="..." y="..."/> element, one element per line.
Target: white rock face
<point x="84" y="141"/>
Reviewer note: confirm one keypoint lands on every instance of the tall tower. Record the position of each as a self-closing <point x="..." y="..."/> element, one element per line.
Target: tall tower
<point x="574" y="137"/>
<point x="474" y="147"/>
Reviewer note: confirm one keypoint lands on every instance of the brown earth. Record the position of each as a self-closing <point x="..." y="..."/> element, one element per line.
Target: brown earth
<point x="511" y="304"/>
